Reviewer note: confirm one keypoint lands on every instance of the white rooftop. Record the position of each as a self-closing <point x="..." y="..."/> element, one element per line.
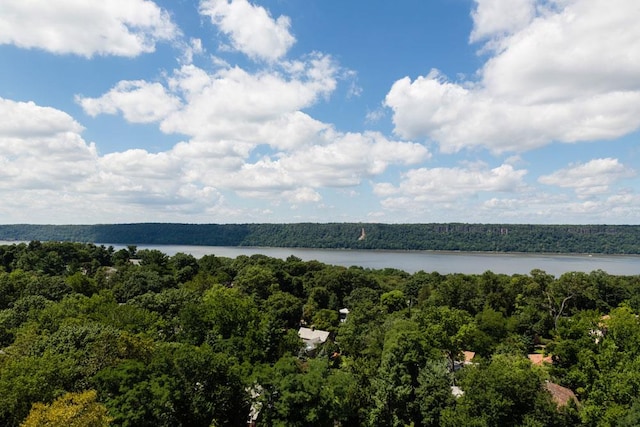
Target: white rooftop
<point x="315" y="336"/>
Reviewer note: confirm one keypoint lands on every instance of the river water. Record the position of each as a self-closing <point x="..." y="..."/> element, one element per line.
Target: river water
<point x="412" y="261"/>
<point x="442" y="262"/>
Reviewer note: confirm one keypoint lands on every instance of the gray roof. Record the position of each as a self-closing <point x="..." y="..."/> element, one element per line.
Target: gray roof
<point x="313" y="337"/>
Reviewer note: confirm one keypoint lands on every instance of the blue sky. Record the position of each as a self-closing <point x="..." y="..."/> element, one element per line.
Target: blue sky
<point x="231" y="111"/>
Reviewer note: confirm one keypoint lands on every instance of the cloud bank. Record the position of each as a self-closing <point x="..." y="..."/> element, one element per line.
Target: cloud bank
<point x="556" y="71"/>
<point x="86" y="28"/>
<point x="248" y="145"/>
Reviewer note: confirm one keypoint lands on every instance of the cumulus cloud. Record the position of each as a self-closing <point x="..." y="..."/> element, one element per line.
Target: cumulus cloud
<point x="192" y="48"/>
<point x="593" y="177"/>
<point x="540" y="207"/>
<point x="555" y="71"/>
<point x="87" y="28"/>
<point x="475" y="193"/>
<point x="138" y="101"/>
<point x="234" y="104"/>
<point x="337" y="160"/>
<point x="564" y="75"/>
<point x="24" y="119"/>
<point x="140" y="164"/>
<point x="250" y="28"/>
<point x="344" y="160"/>
<point x="228" y="103"/>
<point x="40" y="147"/>
<point x="496" y="18"/>
<point x="47" y="165"/>
<point x="230" y="113"/>
<point x="448" y="185"/>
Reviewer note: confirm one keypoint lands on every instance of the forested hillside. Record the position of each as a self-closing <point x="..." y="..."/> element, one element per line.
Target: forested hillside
<point x="100" y="337"/>
<point x="604" y="239"/>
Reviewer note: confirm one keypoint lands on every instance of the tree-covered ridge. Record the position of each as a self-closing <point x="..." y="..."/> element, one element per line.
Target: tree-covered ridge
<point x="134" y="337"/>
<point x="603" y="239"/>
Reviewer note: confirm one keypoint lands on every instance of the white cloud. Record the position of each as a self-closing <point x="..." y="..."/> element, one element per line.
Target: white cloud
<point x="292" y="130"/>
<point x="525" y="205"/>
<point x="40" y="147"/>
<point x="338" y="160"/>
<point x="86" y="28"/>
<point x="566" y="76"/>
<point x="24" y="119"/>
<point x="292" y="176"/>
<point x="495" y="18"/>
<point x="346" y="159"/>
<point x="229" y="114"/>
<point x="302" y="195"/>
<point x="449" y="185"/>
<point x="193" y="48"/>
<point x="233" y="102"/>
<point x="250" y="28"/>
<point x="229" y="104"/>
<point x="537" y="207"/>
<point x="593" y="177"/>
<point x="581" y="51"/>
<point x="45" y="164"/>
<point x="139" y="164"/>
<point x="375" y="115"/>
<point x="138" y="101"/>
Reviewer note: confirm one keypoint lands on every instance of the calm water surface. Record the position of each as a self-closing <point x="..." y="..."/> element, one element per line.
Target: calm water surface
<point x="412" y="261"/>
<point x="442" y="262"/>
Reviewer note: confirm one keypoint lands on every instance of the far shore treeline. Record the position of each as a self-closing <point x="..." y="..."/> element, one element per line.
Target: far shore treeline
<point x="601" y="239"/>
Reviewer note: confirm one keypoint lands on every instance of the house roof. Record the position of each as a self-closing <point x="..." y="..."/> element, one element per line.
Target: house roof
<point x="313" y="335"/>
<point x="561" y="395"/>
<point x="539" y="359"/>
<point x="467" y="359"/>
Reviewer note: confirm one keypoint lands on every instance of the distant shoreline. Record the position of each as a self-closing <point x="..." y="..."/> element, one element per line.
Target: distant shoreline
<point x="378" y="250"/>
<point x="452" y="237"/>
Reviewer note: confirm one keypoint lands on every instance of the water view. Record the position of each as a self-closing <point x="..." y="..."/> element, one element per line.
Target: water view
<point x="442" y="262"/>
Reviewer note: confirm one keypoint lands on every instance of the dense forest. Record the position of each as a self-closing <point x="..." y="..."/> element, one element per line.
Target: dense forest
<point x="92" y="336"/>
<point x="602" y="239"/>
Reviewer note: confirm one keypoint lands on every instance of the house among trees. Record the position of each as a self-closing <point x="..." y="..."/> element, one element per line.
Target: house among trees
<point x="467" y="360"/>
<point x="214" y="354"/>
<point x="540" y="359"/>
<point x="312" y="338"/>
<point x="344" y="312"/>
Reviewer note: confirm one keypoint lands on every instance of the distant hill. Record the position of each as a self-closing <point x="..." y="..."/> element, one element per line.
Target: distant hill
<point x="603" y="239"/>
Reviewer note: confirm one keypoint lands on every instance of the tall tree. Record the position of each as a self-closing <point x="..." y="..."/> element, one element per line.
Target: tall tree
<point x="69" y="410"/>
<point x="508" y="391"/>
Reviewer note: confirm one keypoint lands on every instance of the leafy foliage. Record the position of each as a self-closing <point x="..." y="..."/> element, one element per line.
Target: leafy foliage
<point x="89" y="337"/>
<point x="69" y="410"/>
